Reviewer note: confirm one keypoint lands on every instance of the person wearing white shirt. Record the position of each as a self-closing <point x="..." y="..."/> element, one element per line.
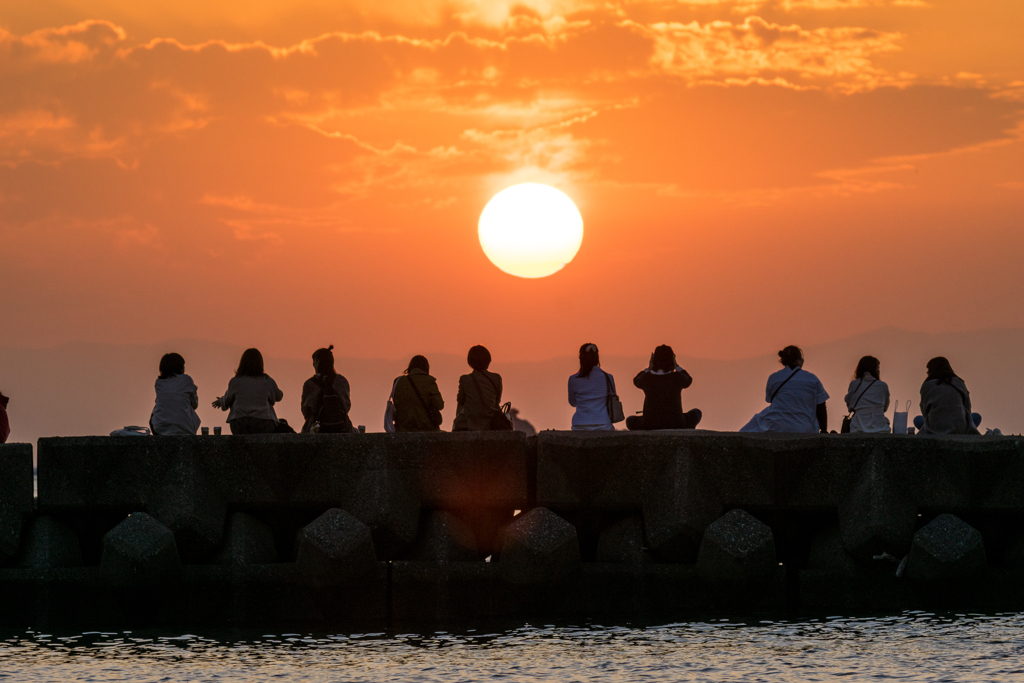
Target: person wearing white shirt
<point x="589" y="390"/>
<point x="796" y="399"/>
<point x="868" y="399"/>
<point x="250" y="397"/>
<point x="177" y="398"/>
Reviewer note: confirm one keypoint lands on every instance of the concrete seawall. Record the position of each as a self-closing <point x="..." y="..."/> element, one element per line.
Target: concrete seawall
<point x="395" y="528"/>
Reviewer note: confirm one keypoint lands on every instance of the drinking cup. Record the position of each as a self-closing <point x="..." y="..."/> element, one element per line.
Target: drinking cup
<point x="206" y="431"/>
<point x="216" y="431"/>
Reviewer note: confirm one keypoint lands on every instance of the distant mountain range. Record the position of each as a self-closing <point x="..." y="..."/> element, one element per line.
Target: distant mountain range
<point x="80" y="389"/>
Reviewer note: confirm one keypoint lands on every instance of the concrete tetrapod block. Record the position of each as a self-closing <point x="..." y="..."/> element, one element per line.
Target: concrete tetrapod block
<point x="737" y="547"/>
<point x="445" y="538"/>
<point x="539" y="547"/>
<point x="827" y="554"/>
<point x="190" y="506"/>
<point x="140" y="552"/>
<point x="50" y="544"/>
<point x="946" y="548"/>
<point x="877" y="515"/>
<point x="247" y="540"/>
<point x="387" y="502"/>
<point x="623" y="541"/>
<point x="333" y="549"/>
<point x="679" y="503"/>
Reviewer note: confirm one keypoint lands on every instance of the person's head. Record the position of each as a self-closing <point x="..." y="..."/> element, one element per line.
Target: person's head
<point x="418" y="363"/>
<point x="479" y="358"/>
<point x="940" y="369"/>
<point x="251" y="364"/>
<point x="323" y="361"/>
<point x="869" y="365"/>
<point x="664" y="359"/>
<point x="589" y="359"/>
<point x="791" y="356"/>
<point x="171" y="364"/>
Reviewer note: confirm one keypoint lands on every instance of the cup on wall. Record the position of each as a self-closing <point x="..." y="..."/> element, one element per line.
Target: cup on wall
<point x="216" y="431"/>
<point x="362" y="429"/>
<point x="205" y="431"/>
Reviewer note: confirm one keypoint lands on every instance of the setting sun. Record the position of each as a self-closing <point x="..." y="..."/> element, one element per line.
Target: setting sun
<point x="530" y="230"/>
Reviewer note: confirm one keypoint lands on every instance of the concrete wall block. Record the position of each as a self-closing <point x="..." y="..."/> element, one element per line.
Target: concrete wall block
<point x="878" y="515"/>
<point x="186" y="502"/>
<point x="445" y="538"/>
<point x="828" y="555"/>
<point x="247" y="541"/>
<point x="389" y="504"/>
<point x="738" y="548"/>
<point x="140" y="552"/>
<point x="946" y="548"/>
<point x="623" y="542"/>
<point x="334" y="549"/>
<point x="679" y="502"/>
<point x="538" y="548"/>
<point x="50" y="544"/>
<point x="591" y="470"/>
<point x="15" y="495"/>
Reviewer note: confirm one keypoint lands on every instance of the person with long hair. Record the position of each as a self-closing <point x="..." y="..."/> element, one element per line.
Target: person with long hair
<point x="796" y="399"/>
<point x="589" y="391"/>
<point x="326" y="397"/>
<point x="5" y="425"/>
<point x="479" y="393"/>
<point x="177" y="398"/>
<point x="868" y="398"/>
<point x="250" y="397"/>
<point x="945" y="401"/>
<point x="418" y="402"/>
<point x="662" y="383"/>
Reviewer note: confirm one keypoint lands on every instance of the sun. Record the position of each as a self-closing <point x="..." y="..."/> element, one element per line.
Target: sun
<point x="530" y="230"/>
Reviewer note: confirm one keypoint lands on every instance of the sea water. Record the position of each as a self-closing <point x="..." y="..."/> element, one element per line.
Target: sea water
<point x="912" y="646"/>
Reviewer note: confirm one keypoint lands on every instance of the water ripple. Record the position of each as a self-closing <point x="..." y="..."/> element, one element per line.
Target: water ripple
<point x="913" y="646"/>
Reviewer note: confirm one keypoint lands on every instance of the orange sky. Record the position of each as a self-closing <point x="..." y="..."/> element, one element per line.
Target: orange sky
<point x="293" y="174"/>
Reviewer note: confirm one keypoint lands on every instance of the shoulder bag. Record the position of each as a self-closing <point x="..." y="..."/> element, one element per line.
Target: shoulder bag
<point x="612" y="402"/>
<point x="501" y="420"/>
<point x="433" y="414"/>
<point x="389" y="412"/>
<point x="845" y="429"/>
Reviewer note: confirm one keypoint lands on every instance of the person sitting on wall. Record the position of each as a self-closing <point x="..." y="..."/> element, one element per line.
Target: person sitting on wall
<point x="177" y="398"/>
<point x="588" y="393"/>
<point x="251" y="396"/>
<point x="418" y="401"/>
<point x="326" y="397"/>
<point x="945" y="401"/>
<point x="796" y="399"/>
<point x="479" y="394"/>
<point x="5" y="425"/>
<point x="868" y="398"/>
<point x="662" y="383"/>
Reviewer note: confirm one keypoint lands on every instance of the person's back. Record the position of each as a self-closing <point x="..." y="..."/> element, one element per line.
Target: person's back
<point x="5" y="425"/>
<point x="868" y="399"/>
<point x="416" y="395"/>
<point x="174" y="411"/>
<point x="662" y="383"/>
<point x="796" y="399"/>
<point x="250" y="397"/>
<point x="588" y="393"/>
<point x="326" y="397"/>
<point x="945" y="401"/>
<point x="479" y="394"/>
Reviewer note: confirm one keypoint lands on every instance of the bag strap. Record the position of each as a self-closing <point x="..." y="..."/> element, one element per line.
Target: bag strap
<point x="417" y="392"/>
<point x="776" y="392"/>
<point x="857" y="402"/>
<point x="608" y="384"/>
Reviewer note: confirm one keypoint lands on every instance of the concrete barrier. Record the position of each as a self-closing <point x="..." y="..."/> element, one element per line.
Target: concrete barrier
<point x="332" y="528"/>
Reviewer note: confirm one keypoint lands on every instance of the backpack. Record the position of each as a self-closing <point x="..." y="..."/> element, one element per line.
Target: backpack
<point x="331" y="417"/>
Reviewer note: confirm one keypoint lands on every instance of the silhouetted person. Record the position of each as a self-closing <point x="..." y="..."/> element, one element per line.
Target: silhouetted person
<point x="945" y="401"/>
<point x="521" y="425"/>
<point x="177" y="398"/>
<point x="796" y="398"/>
<point x="418" y="401"/>
<point x="868" y="398"/>
<point x="251" y="396"/>
<point x="479" y="394"/>
<point x="5" y="425"/>
<point x="663" y="382"/>
<point x="589" y="391"/>
<point x="326" y="397"/>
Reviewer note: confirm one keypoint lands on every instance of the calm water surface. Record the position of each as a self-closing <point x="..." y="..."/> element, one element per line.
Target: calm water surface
<point x="913" y="646"/>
